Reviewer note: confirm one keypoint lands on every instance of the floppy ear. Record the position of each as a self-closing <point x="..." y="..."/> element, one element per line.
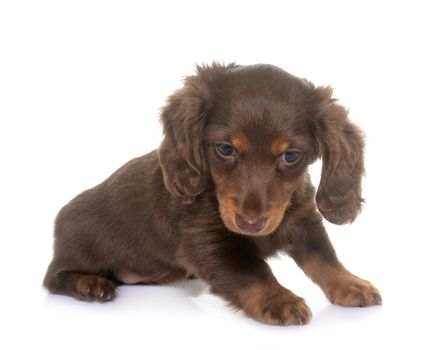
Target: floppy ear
<point x="340" y="144"/>
<point x="181" y="152"/>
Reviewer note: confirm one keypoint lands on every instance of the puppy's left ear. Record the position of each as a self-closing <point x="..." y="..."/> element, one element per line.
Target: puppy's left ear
<point x="340" y="144"/>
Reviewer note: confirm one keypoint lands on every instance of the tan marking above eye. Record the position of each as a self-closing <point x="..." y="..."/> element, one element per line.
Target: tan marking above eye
<point x="240" y="142"/>
<point x="280" y="146"/>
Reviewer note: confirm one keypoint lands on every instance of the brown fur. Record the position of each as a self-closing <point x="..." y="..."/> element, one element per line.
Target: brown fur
<point x="240" y="142"/>
<point x="339" y="285"/>
<point x="182" y="210"/>
<point x="269" y="302"/>
<point x="280" y="146"/>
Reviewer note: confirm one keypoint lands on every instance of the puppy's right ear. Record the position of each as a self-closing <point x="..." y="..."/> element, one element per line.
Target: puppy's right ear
<point x="181" y="153"/>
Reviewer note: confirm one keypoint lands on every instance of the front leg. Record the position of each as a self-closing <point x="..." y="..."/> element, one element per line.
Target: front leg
<point x="230" y="265"/>
<point x="314" y="253"/>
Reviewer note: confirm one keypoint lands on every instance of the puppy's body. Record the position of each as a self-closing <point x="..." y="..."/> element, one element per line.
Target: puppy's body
<point x="123" y="226"/>
<point x="124" y="230"/>
<point x="228" y="188"/>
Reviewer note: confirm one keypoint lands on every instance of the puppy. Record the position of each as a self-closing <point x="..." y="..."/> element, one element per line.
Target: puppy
<point x="227" y="189"/>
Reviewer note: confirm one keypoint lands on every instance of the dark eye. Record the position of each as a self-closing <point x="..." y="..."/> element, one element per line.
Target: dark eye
<point x="290" y="156"/>
<point x="225" y="149"/>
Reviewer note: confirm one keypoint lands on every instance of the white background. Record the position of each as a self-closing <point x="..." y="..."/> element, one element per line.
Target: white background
<point x="81" y="84"/>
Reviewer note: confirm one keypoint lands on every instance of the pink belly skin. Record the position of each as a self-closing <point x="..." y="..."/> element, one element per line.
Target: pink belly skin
<point x="161" y="275"/>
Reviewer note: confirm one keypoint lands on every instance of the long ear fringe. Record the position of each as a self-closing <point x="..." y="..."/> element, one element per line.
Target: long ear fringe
<point x="341" y="146"/>
<point x="181" y="154"/>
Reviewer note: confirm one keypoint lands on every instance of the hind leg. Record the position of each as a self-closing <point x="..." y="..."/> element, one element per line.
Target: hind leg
<point x="83" y="286"/>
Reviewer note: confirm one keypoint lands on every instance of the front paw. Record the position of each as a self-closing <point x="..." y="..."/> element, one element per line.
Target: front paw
<point x="276" y="307"/>
<point x="350" y="290"/>
<point x="286" y="310"/>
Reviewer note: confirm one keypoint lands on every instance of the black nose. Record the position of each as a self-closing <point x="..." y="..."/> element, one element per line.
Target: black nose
<point x="250" y="224"/>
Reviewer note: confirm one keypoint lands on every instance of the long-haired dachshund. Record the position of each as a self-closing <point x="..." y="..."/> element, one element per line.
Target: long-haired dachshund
<point x="227" y="189"/>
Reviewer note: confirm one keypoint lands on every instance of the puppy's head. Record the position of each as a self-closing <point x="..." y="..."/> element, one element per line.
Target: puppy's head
<point x="252" y="131"/>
